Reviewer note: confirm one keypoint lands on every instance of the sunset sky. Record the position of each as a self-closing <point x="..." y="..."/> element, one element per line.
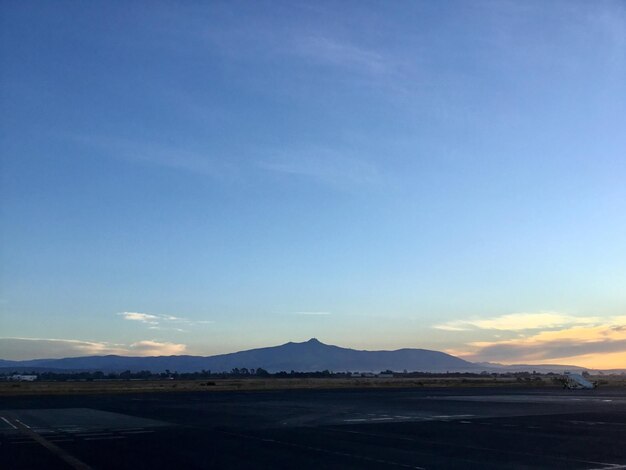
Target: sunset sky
<point x="206" y="177"/>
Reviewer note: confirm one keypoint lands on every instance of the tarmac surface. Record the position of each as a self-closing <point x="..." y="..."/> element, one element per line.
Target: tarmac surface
<point x="403" y="428"/>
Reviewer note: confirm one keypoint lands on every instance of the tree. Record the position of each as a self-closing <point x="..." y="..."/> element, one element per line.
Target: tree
<point x="262" y="372"/>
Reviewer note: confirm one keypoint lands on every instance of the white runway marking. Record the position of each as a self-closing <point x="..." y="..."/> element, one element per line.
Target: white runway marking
<point x="610" y="466"/>
<point x="61" y="453"/>
<point x="8" y="422"/>
<point x="595" y="423"/>
<point x="401" y="418"/>
<point x="452" y="416"/>
<point x="564" y="399"/>
<point x="22" y="423"/>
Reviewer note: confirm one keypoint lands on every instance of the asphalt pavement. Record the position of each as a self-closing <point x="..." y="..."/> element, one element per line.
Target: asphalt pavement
<point x="408" y="428"/>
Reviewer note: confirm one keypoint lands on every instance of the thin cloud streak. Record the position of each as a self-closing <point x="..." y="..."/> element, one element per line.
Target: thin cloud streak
<point x="140" y="317"/>
<point x="160" y="328"/>
<point x="590" y="345"/>
<point x="326" y="50"/>
<point x="518" y="322"/>
<point x="155" y="320"/>
<point x="328" y="166"/>
<point x="312" y="313"/>
<point x="17" y="348"/>
<point x="179" y="158"/>
<point x="156" y="348"/>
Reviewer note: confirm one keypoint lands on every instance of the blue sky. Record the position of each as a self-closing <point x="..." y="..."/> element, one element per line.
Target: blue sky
<point x="205" y="178"/>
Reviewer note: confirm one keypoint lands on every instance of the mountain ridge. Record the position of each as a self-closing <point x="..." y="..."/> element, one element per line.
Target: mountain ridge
<point x="307" y="356"/>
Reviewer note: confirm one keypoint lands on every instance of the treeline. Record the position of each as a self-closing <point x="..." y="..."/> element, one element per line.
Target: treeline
<point x="236" y="373"/>
<point x="246" y="373"/>
<point x="472" y="374"/>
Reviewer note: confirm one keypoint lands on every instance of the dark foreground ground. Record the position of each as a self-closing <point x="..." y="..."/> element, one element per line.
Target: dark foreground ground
<point x="421" y="428"/>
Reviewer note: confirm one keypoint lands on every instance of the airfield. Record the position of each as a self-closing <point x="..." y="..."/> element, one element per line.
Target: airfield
<point x="419" y="428"/>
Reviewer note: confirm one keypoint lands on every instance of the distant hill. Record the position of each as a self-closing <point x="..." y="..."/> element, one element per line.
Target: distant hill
<point x="308" y="356"/>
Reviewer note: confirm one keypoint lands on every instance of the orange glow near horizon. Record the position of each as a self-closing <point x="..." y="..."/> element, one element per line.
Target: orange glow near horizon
<point x="593" y="361"/>
<point x="586" y="342"/>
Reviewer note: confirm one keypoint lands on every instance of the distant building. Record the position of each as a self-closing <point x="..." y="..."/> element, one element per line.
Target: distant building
<point x="362" y="374"/>
<point x="22" y="378"/>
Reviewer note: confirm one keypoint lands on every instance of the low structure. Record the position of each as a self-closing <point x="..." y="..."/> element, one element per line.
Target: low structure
<point x="576" y="381"/>
<point x="22" y="378"/>
<point x="369" y="374"/>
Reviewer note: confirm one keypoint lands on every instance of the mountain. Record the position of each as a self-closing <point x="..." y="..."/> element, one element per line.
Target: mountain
<point x="313" y="355"/>
<point x="308" y="356"/>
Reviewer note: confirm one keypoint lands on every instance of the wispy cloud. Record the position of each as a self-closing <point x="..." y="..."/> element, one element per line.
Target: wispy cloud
<point x="162" y="322"/>
<point x="586" y="341"/>
<point x="327" y="50"/>
<point x="517" y="322"/>
<point x="318" y="46"/>
<point x="161" y="328"/>
<point x="156" y="348"/>
<point x="312" y="313"/>
<point x="140" y="317"/>
<point x="328" y="166"/>
<point x="334" y="167"/>
<point x="44" y="348"/>
<point x="176" y="157"/>
<point x="601" y="347"/>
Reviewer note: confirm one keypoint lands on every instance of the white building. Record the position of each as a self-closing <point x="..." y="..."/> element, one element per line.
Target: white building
<point x="23" y="378"/>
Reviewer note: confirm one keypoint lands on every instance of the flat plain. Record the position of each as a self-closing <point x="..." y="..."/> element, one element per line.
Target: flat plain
<point x="344" y="428"/>
<point x="233" y="384"/>
<point x="145" y="386"/>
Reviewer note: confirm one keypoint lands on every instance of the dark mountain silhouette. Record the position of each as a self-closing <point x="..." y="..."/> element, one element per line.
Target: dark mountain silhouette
<point x="308" y="356"/>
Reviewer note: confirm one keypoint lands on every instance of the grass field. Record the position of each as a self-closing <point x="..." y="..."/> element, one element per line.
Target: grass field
<point x="147" y="386"/>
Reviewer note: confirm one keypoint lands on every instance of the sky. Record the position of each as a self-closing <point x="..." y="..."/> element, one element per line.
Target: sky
<point x="207" y="177"/>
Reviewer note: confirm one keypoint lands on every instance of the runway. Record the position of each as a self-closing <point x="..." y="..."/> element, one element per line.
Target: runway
<point x="408" y="428"/>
